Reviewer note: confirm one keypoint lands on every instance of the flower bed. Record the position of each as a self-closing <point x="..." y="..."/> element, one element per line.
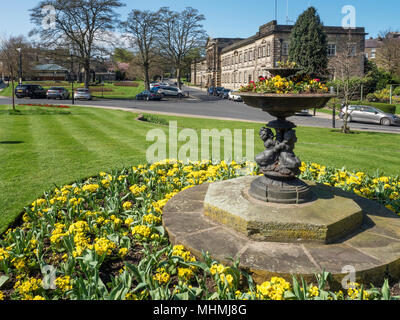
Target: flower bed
<point x="280" y="85"/>
<point x="103" y="238"/>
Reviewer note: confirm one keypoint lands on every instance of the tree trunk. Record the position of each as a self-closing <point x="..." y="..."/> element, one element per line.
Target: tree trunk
<point x="87" y="74"/>
<point x="13" y="92"/>
<point x="178" y="76"/>
<point x="146" y="76"/>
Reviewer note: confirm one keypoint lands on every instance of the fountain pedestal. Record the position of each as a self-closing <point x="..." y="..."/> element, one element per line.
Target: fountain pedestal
<point x="278" y="225"/>
<point x="287" y="240"/>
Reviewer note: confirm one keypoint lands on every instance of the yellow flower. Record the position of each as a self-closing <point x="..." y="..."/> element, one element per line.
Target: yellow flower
<point x="92" y="188"/>
<point x="141" y="230"/>
<point x="185" y="273"/>
<point x="313" y="291"/>
<point x="104" y="246"/>
<point x="162" y="277"/>
<point x="127" y="205"/>
<point x="136" y="190"/>
<point x="123" y="252"/>
<point x="63" y="283"/>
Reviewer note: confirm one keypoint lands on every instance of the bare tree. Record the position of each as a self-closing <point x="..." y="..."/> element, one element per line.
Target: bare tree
<point x="344" y="66"/>
<point x="79" y="23"/>
<point x="141" y="29"/>
<point x="9" y="56"/>
<point x="388" y="53"/>
<point x="179" y="34"/>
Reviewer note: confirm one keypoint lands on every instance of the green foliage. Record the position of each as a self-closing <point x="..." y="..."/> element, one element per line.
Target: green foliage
<point x="377" y="79"/>
<point x="308" y="43"/>
<point x="154" y="119"/>
<point x="123" y="55"/>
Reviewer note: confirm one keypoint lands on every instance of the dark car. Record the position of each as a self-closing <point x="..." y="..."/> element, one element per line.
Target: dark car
<point x="149" y="95"/>
<point x="225" y="93"/>
<point x="218" y="91"/>
<point x="57" y="93"/>
<point x="30" y="90"/>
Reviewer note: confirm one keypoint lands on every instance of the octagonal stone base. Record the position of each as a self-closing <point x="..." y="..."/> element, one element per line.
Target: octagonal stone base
<point x="373" y="249"/>
<point x="327" y="218"/>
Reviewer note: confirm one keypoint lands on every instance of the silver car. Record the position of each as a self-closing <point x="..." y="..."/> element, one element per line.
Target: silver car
<point x="170" y="91"/>
<point x="83" y="94"/>
<point x="369" y="114"/>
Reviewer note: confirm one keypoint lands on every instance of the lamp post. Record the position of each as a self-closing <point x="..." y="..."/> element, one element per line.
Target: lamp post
<point x="20" y="65"/>
<point x="72" y="76"/>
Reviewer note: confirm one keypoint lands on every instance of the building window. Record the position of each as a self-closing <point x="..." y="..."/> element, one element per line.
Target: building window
<point x="245" y="57"/>
<point x="264" y="51"/>
<point x="259" y="53"/>
<point x="352" y="50"/>
<point x="244" y="77"/>
<point x="373" y="53"/>
<point x="268" y="50"/>
<point x="285" y="49"/>
<point x="331" y="50"/>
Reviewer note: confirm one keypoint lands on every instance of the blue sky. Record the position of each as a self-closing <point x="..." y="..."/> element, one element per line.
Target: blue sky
<point x="235" y="18"/>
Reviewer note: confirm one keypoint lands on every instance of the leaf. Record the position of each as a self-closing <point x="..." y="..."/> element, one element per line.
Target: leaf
<point x="215" y="296"/>
<point x="181" y="296"/>
<point x="289" y="295"/>
<point x="116" y="292"/>
<point x="385" y="290"/>
<point x="3" y="280"/>
<point x="136" y="273"/>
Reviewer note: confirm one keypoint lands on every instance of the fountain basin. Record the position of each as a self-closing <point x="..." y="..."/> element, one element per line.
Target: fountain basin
<point x="284" y="105"/>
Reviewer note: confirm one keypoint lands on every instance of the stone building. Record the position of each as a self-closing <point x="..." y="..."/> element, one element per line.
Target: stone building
<point x="231" y="63"/>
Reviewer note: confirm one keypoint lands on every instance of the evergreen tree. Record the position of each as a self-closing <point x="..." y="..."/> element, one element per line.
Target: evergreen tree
<point x="308" y="44"/>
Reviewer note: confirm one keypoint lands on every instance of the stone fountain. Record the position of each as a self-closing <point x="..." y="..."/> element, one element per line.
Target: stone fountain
<point x="279" y="225"/>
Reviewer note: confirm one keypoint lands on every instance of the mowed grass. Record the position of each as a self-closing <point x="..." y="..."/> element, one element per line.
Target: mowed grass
<point x="110" y="91"/>
<point x="41" y="150"/>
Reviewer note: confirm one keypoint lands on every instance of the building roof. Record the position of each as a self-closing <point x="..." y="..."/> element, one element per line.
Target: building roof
<point x="372" y="43"/>
<point x="273" y="27"/>
<point x="49" y="67"/>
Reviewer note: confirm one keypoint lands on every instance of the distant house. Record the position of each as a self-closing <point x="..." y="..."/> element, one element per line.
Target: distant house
<point x="371" y="45"/>
<point x="50" y="72"/>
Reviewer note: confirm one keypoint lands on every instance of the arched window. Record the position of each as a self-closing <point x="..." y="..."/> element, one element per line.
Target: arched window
<point x="268" y="50"/>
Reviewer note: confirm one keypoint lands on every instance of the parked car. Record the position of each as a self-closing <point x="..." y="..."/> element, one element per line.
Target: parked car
<point x="369" y="114"/>
<point x="30" y="90"/>
<point x="165" y="91"/>
<point x="218" y="91"/>
<point x="83" y="94"/>
<point x="57" y="93"/>
<point x="149" y="95"/>
<point x="2" y="84"/>
<point x="210" y="90"/>
<point x="224" y="94"/>
<point x="304" y="112"/>
<point x="234" y="97"/>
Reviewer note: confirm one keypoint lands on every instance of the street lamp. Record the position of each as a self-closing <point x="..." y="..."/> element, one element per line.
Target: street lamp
<point x="72" y="76"/>
<point x="20" y="65"/>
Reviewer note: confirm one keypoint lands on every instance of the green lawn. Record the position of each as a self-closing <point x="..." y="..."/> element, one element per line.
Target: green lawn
<point x="38" y="151"/>
<point x="110" y="91"/>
